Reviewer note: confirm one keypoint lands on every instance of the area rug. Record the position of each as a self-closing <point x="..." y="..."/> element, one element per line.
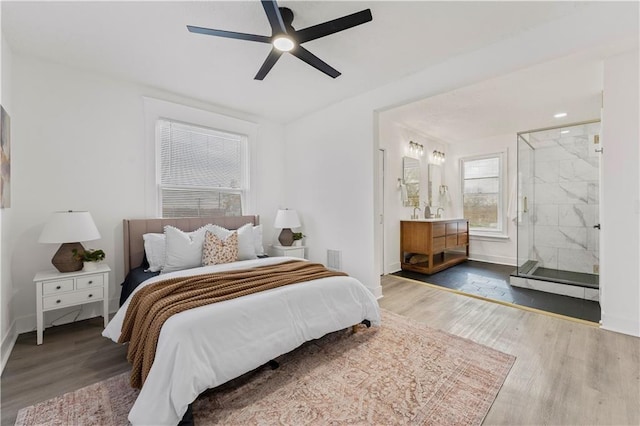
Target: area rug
<point x="403" y="372"/>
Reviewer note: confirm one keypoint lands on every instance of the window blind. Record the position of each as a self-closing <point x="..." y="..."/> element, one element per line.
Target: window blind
<point x="202" y="171"/>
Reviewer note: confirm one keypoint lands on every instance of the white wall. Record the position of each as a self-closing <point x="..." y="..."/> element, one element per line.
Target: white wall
<point x="394" y="139"/>
<point x="79" y="143"/>
<point x="620" y="213"/>
<point x="330" y="154"/>
<point x="487" y="249"/>
<point x="7" y="325"/>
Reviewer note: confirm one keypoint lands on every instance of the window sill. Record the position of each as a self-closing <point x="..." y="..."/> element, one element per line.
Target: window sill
<point x="487" y="237"/>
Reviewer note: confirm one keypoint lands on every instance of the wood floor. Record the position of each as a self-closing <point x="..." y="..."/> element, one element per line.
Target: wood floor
<point x="565" y="372"/>
<point x="71" y="356"/>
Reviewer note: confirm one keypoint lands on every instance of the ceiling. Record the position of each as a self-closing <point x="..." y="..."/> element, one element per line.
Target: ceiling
<point x="524" y="100"/>
<point x="517" y="102"/>
<point x="147" y="42"/>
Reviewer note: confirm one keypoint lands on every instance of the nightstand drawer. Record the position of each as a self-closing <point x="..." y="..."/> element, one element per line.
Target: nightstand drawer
<point x="54" y="287"/>
<point x="291" y="251"/>
<point x="82" y="296"/>
<point x="89" y="282"/>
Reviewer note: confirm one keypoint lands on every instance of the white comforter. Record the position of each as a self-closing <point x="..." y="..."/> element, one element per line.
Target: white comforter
<point x="205" y="347"/>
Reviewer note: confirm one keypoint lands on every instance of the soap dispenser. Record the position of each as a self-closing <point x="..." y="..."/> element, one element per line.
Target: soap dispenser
<point x="427" y="211"/>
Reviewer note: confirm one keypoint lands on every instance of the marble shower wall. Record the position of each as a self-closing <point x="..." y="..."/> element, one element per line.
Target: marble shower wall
<point x="566" y="185"/>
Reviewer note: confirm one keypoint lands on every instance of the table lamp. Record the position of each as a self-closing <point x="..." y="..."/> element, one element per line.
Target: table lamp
<point x="286" y="219"/>
<point x="69" y="228"/>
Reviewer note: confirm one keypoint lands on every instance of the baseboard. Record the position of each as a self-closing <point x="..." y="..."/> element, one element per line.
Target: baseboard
<point x="620" y="325"/>
<point x="500" y="260"/>
<point x="394" y="267"/>
<point x="8" y="342"/>
<point x="377" y="291"/>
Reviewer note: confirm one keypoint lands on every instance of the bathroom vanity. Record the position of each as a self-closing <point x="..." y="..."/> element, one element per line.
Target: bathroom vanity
<point x="431" y="245"/>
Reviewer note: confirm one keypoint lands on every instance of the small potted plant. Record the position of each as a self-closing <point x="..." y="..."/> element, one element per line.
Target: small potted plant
<point x="90" y="258"/>
<point x="297" y="238"/>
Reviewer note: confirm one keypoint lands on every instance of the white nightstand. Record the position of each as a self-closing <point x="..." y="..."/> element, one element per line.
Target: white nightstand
<point x="55" y="290"/>
<point x="292" y="251"/>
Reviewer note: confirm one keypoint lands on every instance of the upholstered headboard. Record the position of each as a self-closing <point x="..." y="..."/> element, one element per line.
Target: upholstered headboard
<point x="134" y="229"/>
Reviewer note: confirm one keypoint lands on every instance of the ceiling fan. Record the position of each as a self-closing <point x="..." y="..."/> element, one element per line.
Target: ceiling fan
<point x="285" y="38"/>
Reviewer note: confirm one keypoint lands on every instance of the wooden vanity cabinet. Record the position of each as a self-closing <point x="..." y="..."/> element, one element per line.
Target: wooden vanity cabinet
<point x="436" y="244"/>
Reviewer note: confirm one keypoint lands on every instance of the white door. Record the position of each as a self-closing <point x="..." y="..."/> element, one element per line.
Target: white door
<point x="380" y="209"/>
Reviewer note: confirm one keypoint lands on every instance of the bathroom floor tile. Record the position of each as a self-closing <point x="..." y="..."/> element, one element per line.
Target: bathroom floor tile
<point x="492" y="281"/>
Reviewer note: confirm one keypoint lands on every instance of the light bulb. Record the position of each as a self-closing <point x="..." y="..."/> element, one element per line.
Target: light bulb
<point x="283" y="43"/>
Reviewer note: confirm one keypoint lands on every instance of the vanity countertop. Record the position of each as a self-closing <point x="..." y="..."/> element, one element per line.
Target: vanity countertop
<point x="433" y="219"/>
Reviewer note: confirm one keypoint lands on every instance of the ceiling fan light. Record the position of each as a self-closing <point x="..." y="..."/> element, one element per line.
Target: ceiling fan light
<point x="283" y="43"/>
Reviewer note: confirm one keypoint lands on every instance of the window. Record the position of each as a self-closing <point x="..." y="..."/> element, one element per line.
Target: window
<point x="203" y="172"/>
<point x="482" y="197"/>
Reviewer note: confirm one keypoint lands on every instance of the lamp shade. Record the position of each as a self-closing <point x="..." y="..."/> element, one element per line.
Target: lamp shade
<point x="287" y="219"/>
<point x="69" y="227"/>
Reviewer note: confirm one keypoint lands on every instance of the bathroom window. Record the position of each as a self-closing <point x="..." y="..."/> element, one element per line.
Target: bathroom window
<point x="482" y="193"/>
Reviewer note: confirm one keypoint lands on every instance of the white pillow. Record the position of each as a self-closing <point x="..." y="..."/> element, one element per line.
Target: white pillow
<point x="246" y="243"/>
<point x="184" y="249"/>
<point x="257" y="240"/>
<point x="154" y="248"/>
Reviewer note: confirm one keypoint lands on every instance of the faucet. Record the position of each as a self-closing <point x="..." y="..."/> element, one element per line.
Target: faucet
<point x="414" y="215"/>
<point x="438" y="215"/>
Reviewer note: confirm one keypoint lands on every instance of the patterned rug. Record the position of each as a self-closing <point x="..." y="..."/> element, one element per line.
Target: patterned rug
<point x="401" y="373"/>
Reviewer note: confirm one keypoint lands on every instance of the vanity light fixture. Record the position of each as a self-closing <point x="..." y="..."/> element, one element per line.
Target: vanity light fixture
<point x="560" y="115"/>
<point x="437" y="157"/>
<point x="416" y="148"/>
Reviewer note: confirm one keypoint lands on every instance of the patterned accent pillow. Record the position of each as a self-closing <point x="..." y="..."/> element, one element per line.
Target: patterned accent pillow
<point x="215" y="250"/>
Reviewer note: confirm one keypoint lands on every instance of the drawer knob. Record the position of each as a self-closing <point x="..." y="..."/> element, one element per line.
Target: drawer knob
<point x="90" y="282"/>
<point x="57" y="287"/>
<point x="58" y="301"/>
<point x="91" y="295"/>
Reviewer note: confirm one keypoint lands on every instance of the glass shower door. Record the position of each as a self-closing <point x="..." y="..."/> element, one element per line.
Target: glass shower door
<point x="525" y="204"/>
<point x="558" y="204"/>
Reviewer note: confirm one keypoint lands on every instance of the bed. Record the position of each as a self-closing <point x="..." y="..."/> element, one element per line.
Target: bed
<point x="202" y="348"/>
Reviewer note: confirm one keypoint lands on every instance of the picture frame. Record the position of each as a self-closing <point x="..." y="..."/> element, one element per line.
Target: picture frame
<point x="5" y="159"/>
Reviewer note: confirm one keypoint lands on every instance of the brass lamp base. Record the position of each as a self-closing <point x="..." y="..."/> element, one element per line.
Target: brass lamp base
<point x="64" y="261"/>
<point x="286" y="237"/>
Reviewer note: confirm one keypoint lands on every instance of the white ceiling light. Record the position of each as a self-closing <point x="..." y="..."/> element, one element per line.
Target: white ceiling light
<point x="283" y="43"/>
<point x="564" y="132"/>
<point x="560" y="115"/>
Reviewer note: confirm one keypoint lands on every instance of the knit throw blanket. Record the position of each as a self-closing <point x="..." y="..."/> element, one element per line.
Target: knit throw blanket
<point x="154" y="304"/>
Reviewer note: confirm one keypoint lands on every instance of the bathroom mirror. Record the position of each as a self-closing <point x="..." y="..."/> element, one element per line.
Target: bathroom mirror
<point x="411" y="180"/>
<point x="433" y="185"/>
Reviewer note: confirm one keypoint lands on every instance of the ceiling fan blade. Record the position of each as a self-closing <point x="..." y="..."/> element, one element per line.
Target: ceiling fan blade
<point x="274" y="16"/>
<point x="229" y="34"/>
<point x="271" y="60"/>
<point x="311" y="59"/>
<point x="334" y="26"/>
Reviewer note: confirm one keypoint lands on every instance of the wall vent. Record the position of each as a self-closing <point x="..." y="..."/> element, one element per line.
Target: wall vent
<point x="334" y="259"/>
